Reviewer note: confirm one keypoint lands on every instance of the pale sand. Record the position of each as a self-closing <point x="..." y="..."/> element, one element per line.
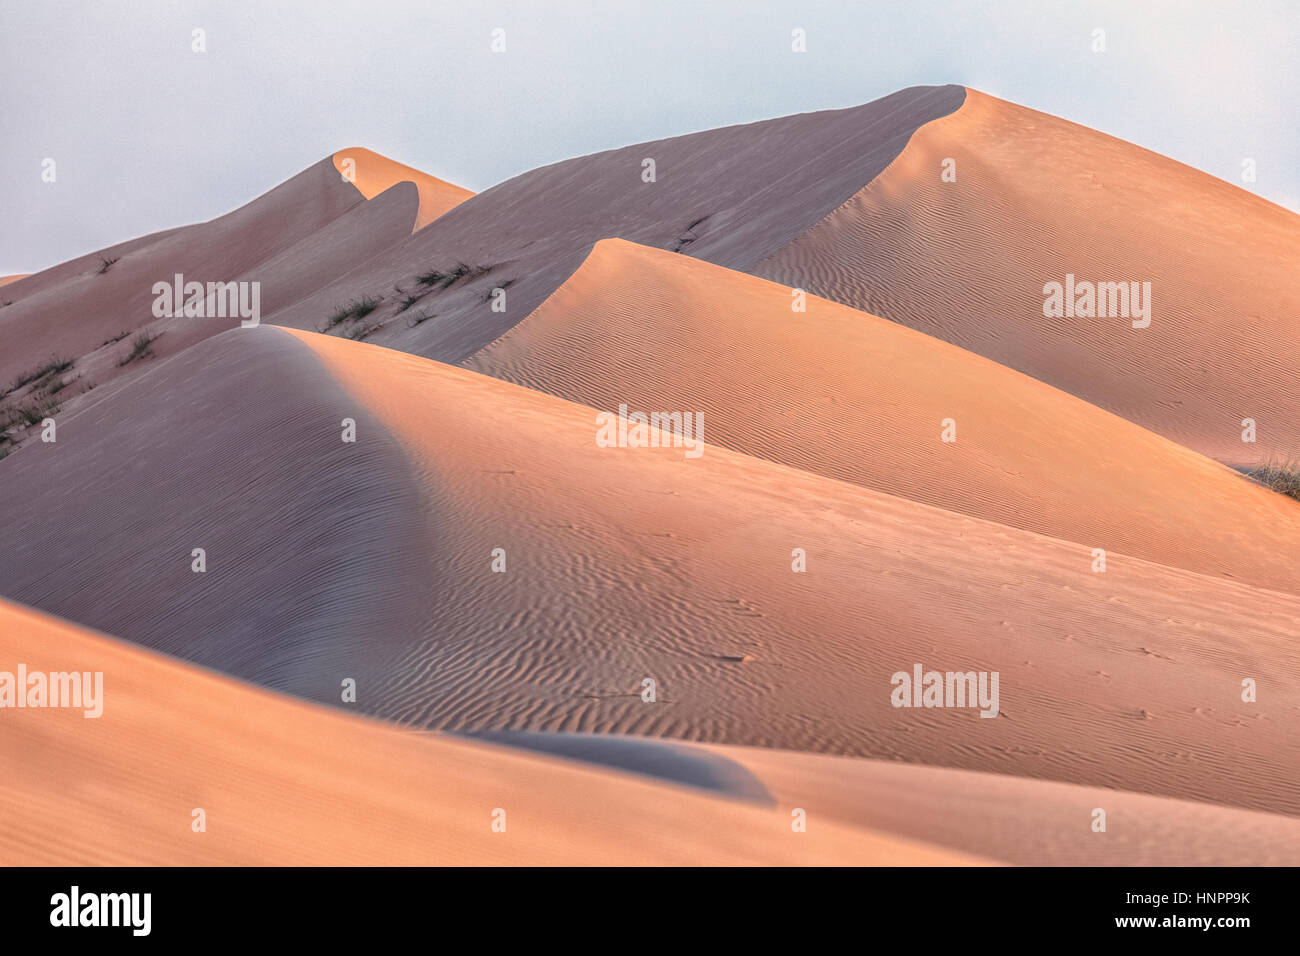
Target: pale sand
<point x="372" y="174"/>
<point x="282" y="782"/>
<point x="732" y="196"/>
<point x="1038" y="197"/>
<point x="373" y="560"/>
<point x="292" y="240"/>
<point x="287" y="783"/>
<point x="316" y="244"/>
<point x="1025" y="822"/>
<point x="1011" y="819"/>
<point x="848" y="395"/>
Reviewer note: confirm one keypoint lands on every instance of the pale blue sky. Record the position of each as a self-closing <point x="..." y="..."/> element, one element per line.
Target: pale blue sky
<point x="147" y="134"/>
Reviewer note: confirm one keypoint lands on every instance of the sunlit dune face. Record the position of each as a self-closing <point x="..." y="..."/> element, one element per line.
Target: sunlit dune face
<point x="372" y="173"/>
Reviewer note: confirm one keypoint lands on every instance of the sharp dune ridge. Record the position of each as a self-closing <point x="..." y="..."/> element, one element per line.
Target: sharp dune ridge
<point x="1038" y="197"/>
<point x="852" y="396"/>
<point x="291" y="241"/>
<point x="475" y="442"/>
<point x="372" y="560"/>
<point x="373" y="174"/>
<point x="731" y="195"/>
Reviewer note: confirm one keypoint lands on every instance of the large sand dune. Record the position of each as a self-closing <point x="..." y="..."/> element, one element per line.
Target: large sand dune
<point x="373" y="560"/>
<point x="732" y="196"/>
<point x="1037" y="198"/>
<point x="281" y="782"/>
<point x="71" y="308"/>
<point x="851" y="396"/>
<point x="478" y="563"/>
<point x="299" y="236"/>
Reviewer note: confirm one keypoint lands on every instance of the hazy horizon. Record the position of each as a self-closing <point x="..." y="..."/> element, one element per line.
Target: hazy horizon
<point x="165" y="136"/>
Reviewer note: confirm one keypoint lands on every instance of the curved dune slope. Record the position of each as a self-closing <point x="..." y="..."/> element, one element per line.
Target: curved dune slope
<point x="1037" y="198"/>
<point x="1026" y="822"/>
<point x="732" y="196"/>
<point x="372" y="174"/>
<point x="851" y="396"/>
<point x="1010" y="819"/>
<point x="374" y="560"/>
<point x="292" y="240"/>
<point x="282" y="783"/>
<point x="233" y="447"/>
<point x="6" y="280"/>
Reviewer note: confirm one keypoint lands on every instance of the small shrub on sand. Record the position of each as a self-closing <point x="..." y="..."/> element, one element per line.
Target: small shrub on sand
<point x="54" y="366"/>
<point x="442" y="280"/>
<point x="1281" y="474"/>
<point x="141" y="347"/>
<point x="410" y="300"/>
<point x="356" y="309"/>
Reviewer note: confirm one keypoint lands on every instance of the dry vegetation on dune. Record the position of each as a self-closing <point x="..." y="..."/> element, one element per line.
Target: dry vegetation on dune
<point x="1280" y="473"/>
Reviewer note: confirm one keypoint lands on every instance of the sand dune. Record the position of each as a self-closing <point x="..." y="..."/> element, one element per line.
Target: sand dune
<point x="1025" y="822"/>
<point x="1010" y="819"/>
<point x="234" y="447"/>
<point x="851" y="396"/>
<point x="1038" y="197"/>
<point x="290" y="241"/>
<point x="6" y="280"/>
<point x="373" y="560"/>
<point x="667" y="652"/>
<point x="281" y="782"/>
<point x="373" y="174"/>
<point x="732" y="196"/>
<point x="92" y="303"/>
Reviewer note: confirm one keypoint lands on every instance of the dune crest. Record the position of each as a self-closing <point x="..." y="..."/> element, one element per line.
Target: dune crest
<point x="731" y="195"/>
<point x="1037" y="198"/>
<point x="851" y="396"/>
<point x="691" y="485"/>
<point x="372" y="174"/>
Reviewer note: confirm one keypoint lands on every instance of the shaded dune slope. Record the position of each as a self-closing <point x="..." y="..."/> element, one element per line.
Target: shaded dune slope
<point x="282" y="783"/>
<point x="1038" y="197"/>
<point x="373" y="560"/>
<point x="851" y="396"/>
<point x="71" y="308"/>
<point x="732" y="195"/>
<point x="1010" y="819"/>
<point x="291" y="241"/>
<point x="234" y="447"/>
<point x="627" y="564"/>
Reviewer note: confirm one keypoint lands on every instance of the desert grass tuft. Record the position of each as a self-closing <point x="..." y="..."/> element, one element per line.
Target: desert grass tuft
<point x="1279" y="473"/>
<point x="141" y="347"/>
<point x="356" y="309"/>
<point x="55" y="365"/>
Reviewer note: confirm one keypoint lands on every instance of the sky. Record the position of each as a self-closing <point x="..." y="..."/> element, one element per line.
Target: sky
<point x="146" y="133"/>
